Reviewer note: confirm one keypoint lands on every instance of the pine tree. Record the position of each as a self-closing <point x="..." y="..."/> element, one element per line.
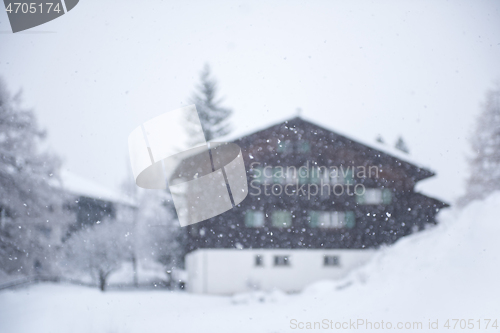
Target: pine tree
<point x="401" y="145"/>
<point x="485" y="164"/>
<point x="30" y="207"/>
<point x="213" y="117"/>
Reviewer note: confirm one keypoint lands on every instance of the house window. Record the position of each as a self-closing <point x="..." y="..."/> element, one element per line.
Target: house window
<point x="348" y="177"/>
<point x="375" y="196"/>
<point x="325" y="176"/>
<point x="386" y="196"/>
<point x="319" y="219"/>
<point x="291" y="175"/>
<point x="285" y="147"/>
<point x="349" y="219"/>
<point x="264" y="175"/>
<point x="337" y="220"/>
<point x="331" y="261"/>
<point x="303" y="175"/>
<point x="331" y="220"/>
<point x="303" y="147"/>
<point x="281" y="219"/>
<point x="279" y="175"/>
<point x="258" y="175"/>
<point x="3" y="217"/>
<point x="281" y="261"/>
<point x="315" y="175"/>
<point x="259" y="260"/>
<point x="254" y="219"/>
<point x="341" y="175"/>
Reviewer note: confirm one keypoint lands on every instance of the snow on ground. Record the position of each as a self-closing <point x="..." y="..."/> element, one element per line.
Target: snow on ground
<point x="448" y="272"/>
<point x="147" y="272"/>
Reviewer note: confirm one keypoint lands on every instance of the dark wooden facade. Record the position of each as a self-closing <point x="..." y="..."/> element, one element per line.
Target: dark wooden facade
<point x="296" y="143"/>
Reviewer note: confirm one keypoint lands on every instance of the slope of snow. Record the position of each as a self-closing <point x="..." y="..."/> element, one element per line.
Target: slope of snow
<point x="448" y="272"/>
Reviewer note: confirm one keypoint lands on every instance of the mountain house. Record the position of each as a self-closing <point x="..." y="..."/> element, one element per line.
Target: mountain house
<point x="319" y="205"/>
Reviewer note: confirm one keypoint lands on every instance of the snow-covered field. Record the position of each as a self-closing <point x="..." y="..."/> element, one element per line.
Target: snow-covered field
<point x="449" y="272"/>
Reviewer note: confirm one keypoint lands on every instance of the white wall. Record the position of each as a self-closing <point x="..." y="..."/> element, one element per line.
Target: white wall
<point x="227" y="271"/>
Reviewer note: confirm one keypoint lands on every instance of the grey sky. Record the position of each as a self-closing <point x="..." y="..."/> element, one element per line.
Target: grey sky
<point x="418" y="69"/>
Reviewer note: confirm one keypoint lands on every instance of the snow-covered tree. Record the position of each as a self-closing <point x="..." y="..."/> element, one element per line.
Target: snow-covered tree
<point x="485" y="163"/>
<point x="213" y="117"/>
<point x="158" y="231"/>
<point x="30" y="208"/>
<point x="157" y="235"/>
<point x="401" y="145"/>
<point x="98" y="250"/>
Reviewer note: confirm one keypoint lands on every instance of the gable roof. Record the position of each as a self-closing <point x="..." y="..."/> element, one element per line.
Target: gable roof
<point x="392" y="153"/>
<point x="77" y="185"/>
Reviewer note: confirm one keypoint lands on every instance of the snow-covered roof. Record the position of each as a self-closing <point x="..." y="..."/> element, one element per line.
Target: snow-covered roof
<point x="78" y="185"/>
<point x="373" y="145"/>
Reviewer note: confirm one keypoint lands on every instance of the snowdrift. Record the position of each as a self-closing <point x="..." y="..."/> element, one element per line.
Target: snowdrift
<point x="448" y="272"/>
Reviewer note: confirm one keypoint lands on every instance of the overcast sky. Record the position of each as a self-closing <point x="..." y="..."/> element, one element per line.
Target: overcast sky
<point x="414" y="68"/>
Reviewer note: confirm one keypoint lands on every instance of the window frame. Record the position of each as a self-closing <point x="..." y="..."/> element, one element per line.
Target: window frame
<point x="335" y="262"/>
<point x="285" y="147"/>
<point x="343" y="219"/>
<point x="284" y="263"/>
<point x="303" y="146"/>
<point x="278" y="214"/>
<point x="258" y="260"/>
<point x="250" y="218"/>
<point x="384" y="196"/>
